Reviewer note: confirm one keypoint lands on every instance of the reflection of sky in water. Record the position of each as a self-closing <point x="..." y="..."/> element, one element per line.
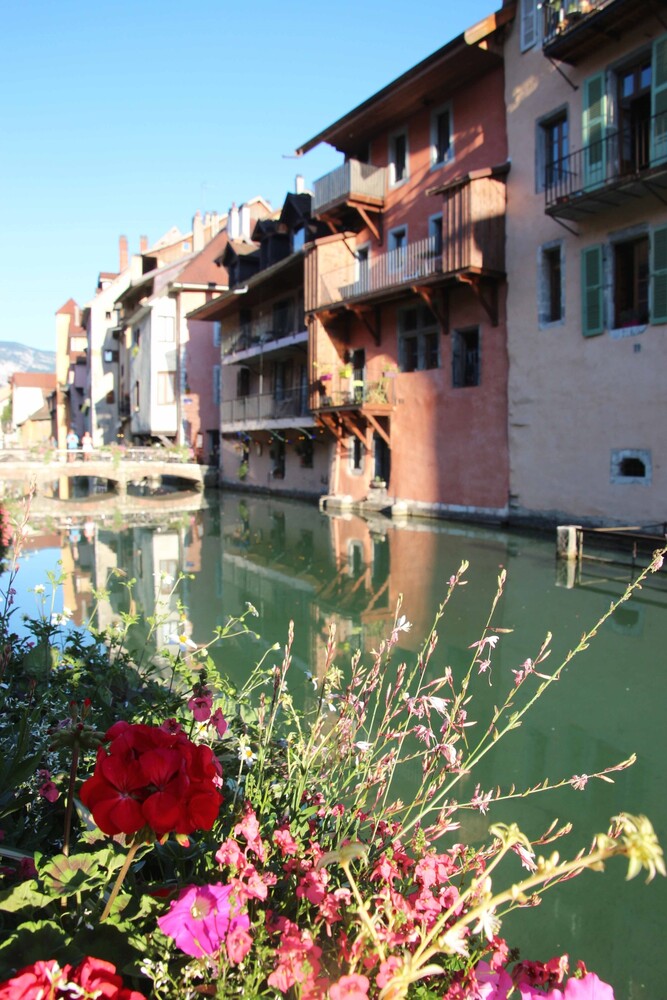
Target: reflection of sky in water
<point x="34" y="567"/>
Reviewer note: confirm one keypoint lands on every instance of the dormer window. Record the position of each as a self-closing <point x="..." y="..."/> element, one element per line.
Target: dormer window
<point x="299" y="239"/>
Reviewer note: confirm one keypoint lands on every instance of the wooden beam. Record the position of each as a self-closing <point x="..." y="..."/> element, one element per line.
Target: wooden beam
<point x="377" y="426"/>
<point x="437" y="303"/>
<point x="352" y="426"/>
<point x="376" y="230"/>
<point x="373" y="328"/>
<point x="488" y="302"/>
<point x="330" y="423"/>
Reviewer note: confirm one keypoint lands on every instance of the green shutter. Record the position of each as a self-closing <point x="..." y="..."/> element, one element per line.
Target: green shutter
<point x="592" y="297"/>
<point x="659" y="101"/>
<point x="659" y="275"/>
<point x="594" y="127"/>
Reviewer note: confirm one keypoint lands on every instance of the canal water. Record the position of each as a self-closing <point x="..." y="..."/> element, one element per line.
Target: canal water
<point x="292" y="562"/>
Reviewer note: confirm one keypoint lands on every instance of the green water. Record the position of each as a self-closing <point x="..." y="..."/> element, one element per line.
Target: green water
<point x="292" y="562"/>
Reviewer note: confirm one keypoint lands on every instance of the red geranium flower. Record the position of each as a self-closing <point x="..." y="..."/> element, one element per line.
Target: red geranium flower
<point x="151" y="778"/>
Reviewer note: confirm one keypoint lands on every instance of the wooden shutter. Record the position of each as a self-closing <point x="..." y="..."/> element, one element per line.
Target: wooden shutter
<point x="594" y="129"/>
<point x="528" y="24"/>
<point x="592" y="292"/>
<point x="659" y="275"/>
<point x="659" y="101"/>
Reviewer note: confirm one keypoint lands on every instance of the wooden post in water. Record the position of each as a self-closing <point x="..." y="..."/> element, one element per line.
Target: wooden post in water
<point x="568" y="541"/>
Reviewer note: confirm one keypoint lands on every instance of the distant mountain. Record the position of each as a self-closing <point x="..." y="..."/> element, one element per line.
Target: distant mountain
<point x="19" y="358"/>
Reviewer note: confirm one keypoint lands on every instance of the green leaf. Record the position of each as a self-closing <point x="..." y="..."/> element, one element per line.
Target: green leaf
<point x="25" y="894"/>
<point x="30" y="943"/>
<point x="65" y="876"/>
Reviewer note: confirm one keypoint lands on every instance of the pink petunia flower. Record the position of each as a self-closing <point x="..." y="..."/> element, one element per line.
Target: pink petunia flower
<point x="354" y="987"/>
<point x="200" y="919"/>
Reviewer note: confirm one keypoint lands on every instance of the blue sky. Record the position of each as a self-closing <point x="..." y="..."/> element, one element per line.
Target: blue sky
<point x="126" y="118"/>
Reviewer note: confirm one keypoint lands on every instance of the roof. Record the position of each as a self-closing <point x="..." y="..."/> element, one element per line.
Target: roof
<point x="70" y="307"/>
<point x="202" y="269"/>
<point x="34" y="380"/>
<point x="453" y="66"/>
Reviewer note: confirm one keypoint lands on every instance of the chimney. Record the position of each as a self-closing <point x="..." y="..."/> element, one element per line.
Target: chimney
<point x="233" y="222"/>
<point x="122" y="253"/>
<point x="197" y="232"/>
<point x="215" y="224"/>
<point x="245" y="221"/>
<point x="299" y="184"/>
<point x="143" y="244"/>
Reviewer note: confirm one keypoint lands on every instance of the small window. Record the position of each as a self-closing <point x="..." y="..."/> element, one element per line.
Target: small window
<point x="465" y="358"/>
<point x="166" y="388"/>
<point x="107" y="315"/>
<point x="631" y="465"/>
<point x="398" y="158"/>
<point x="550" y="288"/>
<point x="442" y="150"/>
<point x="110" y="396"/>
<point x="397" y="244"/>
<point x="217" y="387"/>
<point x="630" y="283"/>
<point x="305" y="452"/>
<point x="217" y="333"/>
<point x="110" y="357"/>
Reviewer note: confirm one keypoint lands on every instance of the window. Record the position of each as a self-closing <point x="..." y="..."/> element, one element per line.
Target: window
<point x="166" y="388"/>
<point x="435" y="233"/>
<point x="356" y="454"/>
<point x="465" y="358"/>
<point x="305" y="451"/>
<point x="362" y="255"/>
<point x="110" y="397"/>
<point x="217" y="333"/>
<point x="282" y="318"/>
<point x="217" y="384"/>
<point x="631" y="465"/>
<point x="110" y="357"/>
<point x="107" y="314"/>
<point x="166" y="330"/>
<point x="398" y="158"/>
<point x="243" y="382"/>
<point x="397" y="243"/>
<point x="528" y="24"/>
<point x="442" y="150"/>
<point x="552" y="150"/>
<point x="136" y="396"/>
<point x="551" y="304"/>
<point x="630" y="283"/>
<point x="418" y="339"/>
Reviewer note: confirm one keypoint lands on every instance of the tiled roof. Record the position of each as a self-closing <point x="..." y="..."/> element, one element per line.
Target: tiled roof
<point x="34" y="380"/>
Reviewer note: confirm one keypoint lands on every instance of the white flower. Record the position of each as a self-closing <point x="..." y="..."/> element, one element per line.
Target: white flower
<point x="181" y="640"/>
<point x="363" y="745"/>
<point x="39" y="588"/>
<point x="246" y="755"/>
<point x="439" y="704"/>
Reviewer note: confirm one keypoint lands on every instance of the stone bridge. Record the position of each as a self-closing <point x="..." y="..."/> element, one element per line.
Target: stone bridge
<point x="133" y="465"/>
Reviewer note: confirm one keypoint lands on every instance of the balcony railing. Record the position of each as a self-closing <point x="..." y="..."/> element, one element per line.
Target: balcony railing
<point x="583" y="178"/>
<point x="258" y="335"/>
<point x="349" y="181"/>
<point x="257" y="408"/>
<point x="359" y="278"/>
<point x="572" y="29"/>
<point x="355" y="393"/>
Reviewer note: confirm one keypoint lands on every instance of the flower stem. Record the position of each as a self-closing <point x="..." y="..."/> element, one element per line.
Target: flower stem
<point x="119" y="881"/>
<point x="70" y="799"/>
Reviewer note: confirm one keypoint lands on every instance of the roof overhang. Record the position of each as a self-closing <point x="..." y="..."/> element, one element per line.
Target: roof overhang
<point x="467" y="57"/>
<point x="272" y="280"/>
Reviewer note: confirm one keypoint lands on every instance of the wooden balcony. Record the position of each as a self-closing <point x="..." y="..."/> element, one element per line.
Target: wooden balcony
<point x="573" y="29"/>
<point x="353" y="189"/>
<point x="356" y="280"/>
<point x="623" y="166"/>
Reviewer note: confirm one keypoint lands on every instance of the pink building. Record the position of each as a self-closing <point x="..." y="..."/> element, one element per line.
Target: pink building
<point x="405" y="299"/>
